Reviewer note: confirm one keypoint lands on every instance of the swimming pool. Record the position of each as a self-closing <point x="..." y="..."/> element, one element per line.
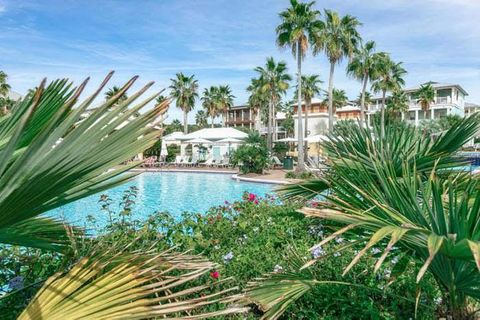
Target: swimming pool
<point x="175" y="192"/>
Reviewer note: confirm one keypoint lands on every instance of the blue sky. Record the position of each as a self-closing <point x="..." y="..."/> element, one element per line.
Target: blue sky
<point x="221" y="41"/>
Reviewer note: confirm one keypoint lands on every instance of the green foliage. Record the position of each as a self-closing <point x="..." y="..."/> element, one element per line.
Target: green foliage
<point x="280" y="149"/>
<point x="252" y="156"/>
<point x="173" y="151"/>
<point x="302" y="175"/>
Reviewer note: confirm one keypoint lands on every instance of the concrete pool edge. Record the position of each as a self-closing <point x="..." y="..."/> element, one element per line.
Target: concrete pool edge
<point x="234" y="174"/>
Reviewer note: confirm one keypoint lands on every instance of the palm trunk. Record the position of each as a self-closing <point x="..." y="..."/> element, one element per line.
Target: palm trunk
<point x="362" y="102"/>
<point x="308" y="105"/>
<point x="382" y="115"/>
<point x="212" y="119"/>
<point x="185" y="122"/>
<point x="269" y="126"/>
<point x="330" y="97"/>
<point x="301" y="163"/>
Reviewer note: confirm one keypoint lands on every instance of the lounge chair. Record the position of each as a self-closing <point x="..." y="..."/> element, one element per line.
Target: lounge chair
<point x="186" y="161"/>
<point x="208" y="162"/>
<point x="178" y="161"/>
<point x="276" y="162"/>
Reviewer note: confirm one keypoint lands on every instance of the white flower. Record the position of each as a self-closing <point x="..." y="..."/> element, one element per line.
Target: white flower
<point x="337" y="254"/>
<point x="216" y="247"/>
<point x="376" y="251"/>
<point x="228" y="257"/>
<point x="317" y="252"/>
<point x="278" y="268"/>
<point x="339" y="240"/>
<point x="395" y="260"/>
<point x="438" y="300"/>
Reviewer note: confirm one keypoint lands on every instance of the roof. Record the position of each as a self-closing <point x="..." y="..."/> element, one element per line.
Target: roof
<point x="215" y="134"/>
<point x="176" y="135"/>
<point x="243" y="106"/>
<point x="437" y="85"/>
<point x="471" y="105"/>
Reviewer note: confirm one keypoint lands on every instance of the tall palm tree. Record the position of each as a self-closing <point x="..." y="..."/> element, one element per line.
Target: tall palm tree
<point x="257" y="100"/>
<point x="339" y="98"/>
<point x="297" y="27"/>
<point x="389" y="77"/>
<point x="337" y="38"/>
<point x="425" y="96"/>
<point x="224" y="101"/>
<point x="398" y="102"/>
<point x="112" y="92"/>
<point x="4" y="89"/>
<point x="310" y="89"/>
<point x="362" y="67"/>
<point x="184" y="89"/>
<point x="275" y="79"/>
<point x="201" y="119"/>
<point x="209" y="102"/>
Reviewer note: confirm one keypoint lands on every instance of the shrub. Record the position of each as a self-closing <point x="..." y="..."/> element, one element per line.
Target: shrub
<point x="251" y="157"/>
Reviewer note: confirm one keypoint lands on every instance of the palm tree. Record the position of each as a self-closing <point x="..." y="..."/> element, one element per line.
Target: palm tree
<point x="363" y="68"/>
<point x="310" y="88"/>
<point x="224" y="101"/>
<point x="339" y="98"/>
<point x="337" y="38"/>
<point x="274" y="79"/>
<point x="209" y="102"/>
<point x="4" y="89"/>
<point x="298" y="25"/>
<point x="398" y="102"/>
<point x="112" y="92"/>
<point x="388" y="77"/>
<point x="201" y="119"/>
<point x="425" y="96"/>
<point x="257" y="99"/>
<point x="184" y="90"/>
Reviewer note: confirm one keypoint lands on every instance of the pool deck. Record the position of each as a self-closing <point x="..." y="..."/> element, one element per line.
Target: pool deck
<point x="273" y="176"/>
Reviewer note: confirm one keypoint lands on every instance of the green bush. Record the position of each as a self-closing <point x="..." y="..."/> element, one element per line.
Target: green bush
<point x="251" y="157"/>
<point x="173" y="150"/>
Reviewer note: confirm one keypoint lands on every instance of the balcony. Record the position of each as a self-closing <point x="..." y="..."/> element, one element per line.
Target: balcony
<point x="238" y="121"/>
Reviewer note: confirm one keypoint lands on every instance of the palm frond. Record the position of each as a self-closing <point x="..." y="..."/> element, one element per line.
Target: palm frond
<point x="133" y="286"/>
<point x="52" y="154"/>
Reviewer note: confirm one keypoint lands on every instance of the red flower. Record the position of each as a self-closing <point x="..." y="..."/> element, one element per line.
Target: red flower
<point x="215" y="274"/>
<point x="256" y="201"/>
<point x="252" y="197"/>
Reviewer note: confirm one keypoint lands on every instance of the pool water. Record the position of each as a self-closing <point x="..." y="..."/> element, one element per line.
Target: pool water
<point x="175" y="192"/>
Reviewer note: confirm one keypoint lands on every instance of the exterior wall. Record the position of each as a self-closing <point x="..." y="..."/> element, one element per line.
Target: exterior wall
<point x="240" y="117"/>
<point x="317" y="124"/>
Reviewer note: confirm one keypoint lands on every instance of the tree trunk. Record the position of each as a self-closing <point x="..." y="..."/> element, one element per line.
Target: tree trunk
<point x="269" y="127"/>
<point x="330" y="97"/>
<point x="362" y="102"/>
<point x="301" y="160"/>
<point x="382" y="115"/>
<point x="308" y="105"/>
<point x="185" y="122"/>
<point x="212" y="120"/>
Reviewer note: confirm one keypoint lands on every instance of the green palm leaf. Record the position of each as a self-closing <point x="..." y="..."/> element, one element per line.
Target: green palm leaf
<point x="51" y="154"/>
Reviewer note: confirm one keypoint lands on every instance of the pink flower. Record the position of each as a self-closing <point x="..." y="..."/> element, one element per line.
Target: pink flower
<point x="256" y="201"/>
<point x="252" y="197"/>
<point x="215" y="274"/>
<point x="226" y="202"/>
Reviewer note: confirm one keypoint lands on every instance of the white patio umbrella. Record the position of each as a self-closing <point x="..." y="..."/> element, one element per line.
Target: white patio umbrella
<point x="316" y="138"/>
<point x="229" y="141"/>
<point x="287" y="140"/>
<point x="164" y="151"/>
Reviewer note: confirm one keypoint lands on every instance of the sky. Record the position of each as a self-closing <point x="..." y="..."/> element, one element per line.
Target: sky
<point x="222" y="41"/>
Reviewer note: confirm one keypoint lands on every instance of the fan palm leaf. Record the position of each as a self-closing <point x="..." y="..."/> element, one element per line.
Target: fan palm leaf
<point x="51" y="154"/>
<point x="136" y="285"/>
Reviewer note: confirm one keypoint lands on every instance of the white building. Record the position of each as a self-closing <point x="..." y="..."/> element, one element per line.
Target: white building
<point x="449" y="100"/>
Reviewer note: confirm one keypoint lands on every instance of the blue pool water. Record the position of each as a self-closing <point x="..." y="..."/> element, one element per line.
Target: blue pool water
<point x="175" y="192"/>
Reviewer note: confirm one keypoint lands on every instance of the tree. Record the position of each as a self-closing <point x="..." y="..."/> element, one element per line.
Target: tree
<point x="425" y="96"/>
<point x="310" y="88"/>
<point x="257" y="100"/>
<point x="4" y="89"/>
<point x="363" y="68"/>
<point x="184" y="90"/>
<point x="388" y="77"/>
<point x="274" y="79"/>
<point x="368" y="99"/>
<point x="224" y="101"/>
<point x="201" y="119"/>
<point x="113" y="92"/>
<point x="398" y="102"/>
<point x="337" y="38"/>
<point x="297" y="27"/>
<point x="339" y="98"/>
<point x="209" y="102"/>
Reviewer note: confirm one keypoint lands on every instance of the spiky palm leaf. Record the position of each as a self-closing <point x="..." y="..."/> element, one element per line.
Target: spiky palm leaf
<point x="136" y="285"/>
<point x="50" y="155"/>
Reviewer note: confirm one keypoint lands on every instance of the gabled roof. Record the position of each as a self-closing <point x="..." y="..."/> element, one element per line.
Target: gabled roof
<point x="176" y="135"/>
<point x="437" y="85"/>
<point x="215" y="134"/>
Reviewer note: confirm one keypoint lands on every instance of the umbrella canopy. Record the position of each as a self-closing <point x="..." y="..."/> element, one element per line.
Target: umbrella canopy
<point x="164" y="151"/>
<point x="316" y="138"/>
<point x="199" y="141"/>
<point x="230" y="140"/>
<point x="287" y="140"/>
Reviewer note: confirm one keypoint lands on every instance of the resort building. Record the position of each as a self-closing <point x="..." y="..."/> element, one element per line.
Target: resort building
<point x="449" y="100"/>
<point x="471" y="108"/>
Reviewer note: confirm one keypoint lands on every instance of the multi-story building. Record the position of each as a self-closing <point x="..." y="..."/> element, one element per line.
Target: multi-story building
<point x="471" y="108"/>
<point x="449" y="100"/>
<point x="241" y="116"/>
